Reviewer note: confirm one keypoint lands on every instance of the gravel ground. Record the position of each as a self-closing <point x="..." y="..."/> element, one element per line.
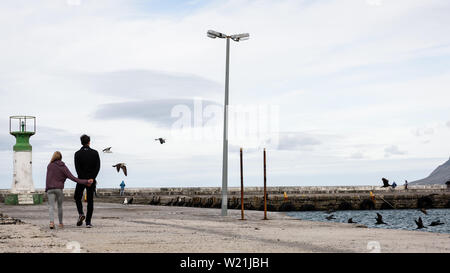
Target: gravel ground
<point x="145" y="228"/>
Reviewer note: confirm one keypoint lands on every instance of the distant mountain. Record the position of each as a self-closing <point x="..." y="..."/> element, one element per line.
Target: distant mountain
<point x="439" y="176"/>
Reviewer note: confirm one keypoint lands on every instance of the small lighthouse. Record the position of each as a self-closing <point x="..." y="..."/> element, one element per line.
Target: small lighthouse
<point x="22" y="190"/>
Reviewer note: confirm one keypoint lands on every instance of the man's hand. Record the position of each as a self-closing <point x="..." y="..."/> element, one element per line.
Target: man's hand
<point x="90" y="181"/>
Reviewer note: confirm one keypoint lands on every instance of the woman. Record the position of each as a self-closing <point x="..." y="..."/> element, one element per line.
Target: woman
<point x="57" y="173"/>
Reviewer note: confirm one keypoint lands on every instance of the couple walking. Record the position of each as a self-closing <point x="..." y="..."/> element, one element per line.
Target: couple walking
<point x="87" y="166"/>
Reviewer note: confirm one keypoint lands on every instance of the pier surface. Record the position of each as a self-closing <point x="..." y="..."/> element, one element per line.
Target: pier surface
<point x="146" y="228"/>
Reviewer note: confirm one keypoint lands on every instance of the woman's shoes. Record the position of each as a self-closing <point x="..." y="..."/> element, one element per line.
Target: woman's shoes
<point x="60" y="226"/>
<point x="52" y="225"/>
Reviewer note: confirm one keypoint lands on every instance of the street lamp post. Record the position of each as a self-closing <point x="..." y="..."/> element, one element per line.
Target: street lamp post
<point x="237" y="37"/>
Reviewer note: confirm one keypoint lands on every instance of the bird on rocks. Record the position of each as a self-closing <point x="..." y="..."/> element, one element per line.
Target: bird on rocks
<point x="122" y="166"/>
<point x="107" y="150"/>
<point x="379" y="220"/>
<point x="419" y="223"/>
<point x="436" y="223"/>
<point x="161" y="140"/>
<point x="330" y="217"/>
<point x="350" y="221"/>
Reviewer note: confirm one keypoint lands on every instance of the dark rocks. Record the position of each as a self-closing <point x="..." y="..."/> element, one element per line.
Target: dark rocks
<point x="6" y="220"/>
<point x="307" y="207"/>
<point x="345" y="206"/>
<point x="367" y="204"/>
<point x="287" y="206"/>
<point x="425" y="202"/>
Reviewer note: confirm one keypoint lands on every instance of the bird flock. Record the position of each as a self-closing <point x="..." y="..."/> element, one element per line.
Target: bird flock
<point x="123" y="166"/>
<point x="379" y="220"/>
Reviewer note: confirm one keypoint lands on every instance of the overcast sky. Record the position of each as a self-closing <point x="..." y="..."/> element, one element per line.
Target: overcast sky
<point x="360" y="87"/>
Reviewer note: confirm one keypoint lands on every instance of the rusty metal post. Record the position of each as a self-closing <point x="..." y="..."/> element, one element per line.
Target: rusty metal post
<point x="265" y="187"/>
<point x="242" y="189"/>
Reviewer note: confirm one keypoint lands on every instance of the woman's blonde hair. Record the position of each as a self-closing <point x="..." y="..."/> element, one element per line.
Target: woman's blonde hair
<point x="56" y="156"/>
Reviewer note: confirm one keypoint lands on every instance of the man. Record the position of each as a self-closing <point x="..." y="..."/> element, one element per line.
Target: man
<point x="122" y="188"/>
<point x="87" y="164"/>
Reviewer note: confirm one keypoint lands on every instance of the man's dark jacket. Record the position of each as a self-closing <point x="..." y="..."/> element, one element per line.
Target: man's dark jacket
<point x="87" y="163"/>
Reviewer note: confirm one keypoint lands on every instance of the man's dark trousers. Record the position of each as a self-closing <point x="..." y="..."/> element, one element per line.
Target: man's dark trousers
<point x="90" y="200"/>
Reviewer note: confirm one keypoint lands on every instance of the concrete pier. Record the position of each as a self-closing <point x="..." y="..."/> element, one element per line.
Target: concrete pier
<point x="298" y="198"/>
<point x="163" y="229"/>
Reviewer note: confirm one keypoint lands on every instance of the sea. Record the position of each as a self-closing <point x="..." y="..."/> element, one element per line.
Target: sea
<point x="395" y="219"/>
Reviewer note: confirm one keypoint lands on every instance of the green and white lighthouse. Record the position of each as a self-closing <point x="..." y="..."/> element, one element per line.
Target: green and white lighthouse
<point x="22" y="190"/>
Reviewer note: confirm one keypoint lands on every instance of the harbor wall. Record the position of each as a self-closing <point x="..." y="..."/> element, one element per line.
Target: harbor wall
<point x="296" y="198"/>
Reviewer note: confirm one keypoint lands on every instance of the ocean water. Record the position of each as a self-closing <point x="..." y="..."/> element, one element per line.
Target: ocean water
<point x="395" y="219"/>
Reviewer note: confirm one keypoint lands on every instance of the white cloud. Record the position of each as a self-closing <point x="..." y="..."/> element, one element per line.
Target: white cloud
<point x="393" y="150"/>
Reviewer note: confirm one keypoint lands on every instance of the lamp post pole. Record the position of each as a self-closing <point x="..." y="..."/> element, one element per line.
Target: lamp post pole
<point x="236" y="37"/>
<point x="225" y="135"/>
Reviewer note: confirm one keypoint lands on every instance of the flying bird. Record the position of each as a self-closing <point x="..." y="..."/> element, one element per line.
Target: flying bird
<point x="385" y="183"/>
<point x="379" y="220"/>
<point x="330" y="217"/>
<point x="436" y="223"/>
<point x="121" y="166"/>
<point x="419" y="223"/>
<point x="161" y="140"/>
<point x="107" y="150"/>
<point x="350" y="221"/>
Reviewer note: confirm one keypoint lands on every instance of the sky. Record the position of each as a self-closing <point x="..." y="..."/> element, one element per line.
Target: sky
<point x="339" y="92"/>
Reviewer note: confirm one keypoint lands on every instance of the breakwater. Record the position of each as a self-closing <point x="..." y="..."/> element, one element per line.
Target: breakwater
<point x="298" y="198"/>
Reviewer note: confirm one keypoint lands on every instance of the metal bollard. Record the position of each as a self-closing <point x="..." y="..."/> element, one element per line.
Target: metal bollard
<point x="265" y="187"/>
<point x="242" y="189"/>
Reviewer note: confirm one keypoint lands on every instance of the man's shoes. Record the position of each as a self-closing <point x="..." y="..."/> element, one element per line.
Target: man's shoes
<point x="80" y="220"/>
<point x="89" y="226"/>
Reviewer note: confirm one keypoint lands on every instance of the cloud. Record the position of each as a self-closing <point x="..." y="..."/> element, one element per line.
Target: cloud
<point x="6" y="142"/>
<point x="297" y="141"/>
<point x="357" y="155"/>
<point x="423" y="131"/>
<point x="448" y="123"/>
<point x="148" y="84"/>
<point x="157" y="112"/>
<point x="49" y="139"/>
<point x="393" y="150"/>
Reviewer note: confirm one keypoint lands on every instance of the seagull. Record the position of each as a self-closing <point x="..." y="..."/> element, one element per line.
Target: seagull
<point x="128" y="202"/>
<point x="419" y="223"/>
<point x="121" y="166"/>
<point x="379" y="220"/>
<point x="161" y="140"/>
<point x="330" y="217"/>
<point x="436" y="223"/>
<point x="385" y="183"/>
<point x="424" y="211"/>
<point x="350" y="221"/>
<point x="107" y="150"/>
